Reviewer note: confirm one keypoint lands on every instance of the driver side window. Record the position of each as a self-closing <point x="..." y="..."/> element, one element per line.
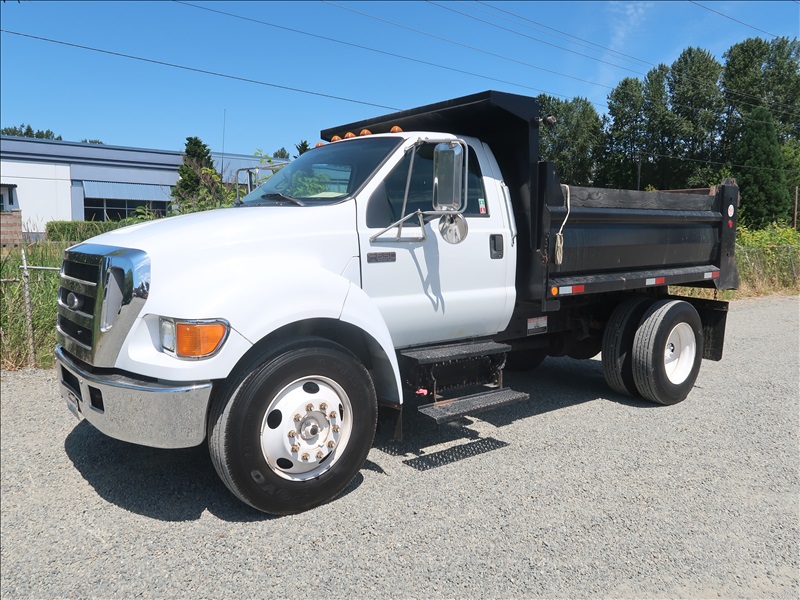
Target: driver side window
<point x="386" y="204"/>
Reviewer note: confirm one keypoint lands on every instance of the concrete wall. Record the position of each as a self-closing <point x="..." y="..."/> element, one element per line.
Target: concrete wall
<point x="43" y="192"/>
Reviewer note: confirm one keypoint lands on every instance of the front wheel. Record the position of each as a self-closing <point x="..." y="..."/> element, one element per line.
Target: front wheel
<point x="667" y="351"/>
<point x="291" y="433"/>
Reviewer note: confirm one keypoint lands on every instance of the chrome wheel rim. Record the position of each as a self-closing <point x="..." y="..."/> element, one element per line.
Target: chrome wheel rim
<point x="306" y="428"/>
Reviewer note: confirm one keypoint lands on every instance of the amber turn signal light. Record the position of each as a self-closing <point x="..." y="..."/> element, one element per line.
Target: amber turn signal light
<point x="198" y="340"/>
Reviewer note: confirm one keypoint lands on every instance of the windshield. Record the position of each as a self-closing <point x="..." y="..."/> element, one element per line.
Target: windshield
<point x="325" y="174"/>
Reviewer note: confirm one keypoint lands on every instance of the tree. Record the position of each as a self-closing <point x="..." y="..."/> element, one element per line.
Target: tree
<point x="661" y="135"/>
<point x="302" y="147"/>
<point x="697" y="103"/>
<point x="761" y="73"/>
<point x="85" y="141"/>
<point x="623" y="135"/>
<point x="760" y="172"/>
<point x="281" y="153"/>
<point x="27" y="131"/>
<point x="199" y="185"/>
<point x="573" y="142"/>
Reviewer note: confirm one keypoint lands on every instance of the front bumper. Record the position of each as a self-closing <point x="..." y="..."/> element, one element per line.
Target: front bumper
<point x="161" y="415"/>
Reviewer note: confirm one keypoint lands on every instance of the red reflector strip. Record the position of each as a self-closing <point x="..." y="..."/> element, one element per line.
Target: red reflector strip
<point x="711" y="275"/>
<point x="655" y="281"/>
<point x="570" y="289"/>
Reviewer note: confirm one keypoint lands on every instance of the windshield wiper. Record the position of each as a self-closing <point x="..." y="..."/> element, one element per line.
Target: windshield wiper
<point x="279" y="196"/>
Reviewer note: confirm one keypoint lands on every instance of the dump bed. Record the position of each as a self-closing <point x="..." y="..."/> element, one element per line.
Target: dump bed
<point x="578" y="240"/>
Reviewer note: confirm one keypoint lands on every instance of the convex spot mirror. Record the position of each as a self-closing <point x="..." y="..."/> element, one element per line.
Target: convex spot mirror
<point x="453" y="228"/>
<point x="448" y="176"/>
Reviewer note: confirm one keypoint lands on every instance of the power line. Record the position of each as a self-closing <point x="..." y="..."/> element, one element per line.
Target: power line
<point x="359" y="46"/>
<point x="389" y="22"/>
<point x="481" y="50"/>
<point x="732" y="19"/>
<point x="788" y="109"/>
<point x="563" y="33"/>
<point x="196" y="70"/>
<point x="533" y="38"/>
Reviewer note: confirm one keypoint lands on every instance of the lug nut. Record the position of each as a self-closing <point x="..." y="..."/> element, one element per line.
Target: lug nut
<point x="335" y="429"/>
<point x="323" y="406"/>
<point x="292" y="433"/>
<point x="295" y="448"/>
<point x="304" y="456"/>
<point x="333" y="414"/>
<point x="331" y="444"/>
<point x="320" y="454"/>
<point x="309" y="407"/>
<point x="297" y="417"/>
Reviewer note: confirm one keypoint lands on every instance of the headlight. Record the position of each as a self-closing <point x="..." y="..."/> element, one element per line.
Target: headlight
<point x="192" y="339"/>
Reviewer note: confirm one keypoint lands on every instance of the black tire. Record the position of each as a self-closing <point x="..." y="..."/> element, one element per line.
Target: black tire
<point x="617" y="349"/>
<point x="667" y="351"/>
<point x="525" y="360"/>
<point x="279" y="463"/>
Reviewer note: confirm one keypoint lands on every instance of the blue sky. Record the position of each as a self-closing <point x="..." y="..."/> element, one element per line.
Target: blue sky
<point x="381" y="54"/>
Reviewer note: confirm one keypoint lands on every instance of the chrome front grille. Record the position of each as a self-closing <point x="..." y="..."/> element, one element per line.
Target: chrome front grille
<point x="102" y="291"/>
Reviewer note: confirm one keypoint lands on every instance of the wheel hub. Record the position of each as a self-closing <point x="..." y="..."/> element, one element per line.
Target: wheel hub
<point x="305" y="427"/>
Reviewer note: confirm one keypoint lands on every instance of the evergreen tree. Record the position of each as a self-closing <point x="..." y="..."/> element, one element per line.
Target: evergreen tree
<point x="27" y="131"/>
<point x="281" y="153"/>
<point x="200" y="186"/>
<point x="196" y="157"/>
<point x="302" y="147"/>
<point x="761" y="177"/>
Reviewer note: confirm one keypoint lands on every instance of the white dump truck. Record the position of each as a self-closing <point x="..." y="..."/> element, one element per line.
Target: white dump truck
<point x="412" y="257"/>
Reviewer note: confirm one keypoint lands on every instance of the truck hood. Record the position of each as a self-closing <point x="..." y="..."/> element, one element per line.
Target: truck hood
<point x="239" y="233"/>
<point x="244" y="239"/>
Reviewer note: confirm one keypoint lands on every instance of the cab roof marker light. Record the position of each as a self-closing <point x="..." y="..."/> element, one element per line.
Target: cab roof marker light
<point x="336" y="138"/>
<point x="349" y="135"/>
<point x="365" y="132"/>
<point x="396" y="129"/>
<point x="319" y="144"/>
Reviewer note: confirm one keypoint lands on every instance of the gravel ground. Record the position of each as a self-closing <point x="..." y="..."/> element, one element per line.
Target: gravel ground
<point x="577" y="493"/>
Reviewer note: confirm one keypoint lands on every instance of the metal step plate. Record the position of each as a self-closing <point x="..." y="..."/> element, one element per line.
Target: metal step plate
<point x="434" y="354"/>
<point x="450" y="410"/>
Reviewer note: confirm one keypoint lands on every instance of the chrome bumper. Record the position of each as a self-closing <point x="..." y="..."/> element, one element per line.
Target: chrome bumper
<point x="142" y="412"/>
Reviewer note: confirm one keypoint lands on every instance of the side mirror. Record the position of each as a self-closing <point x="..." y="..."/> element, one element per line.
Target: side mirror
<point x="448" y="176"/>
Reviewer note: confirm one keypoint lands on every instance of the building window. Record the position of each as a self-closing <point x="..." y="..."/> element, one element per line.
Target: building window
<point x="101" y="209"/>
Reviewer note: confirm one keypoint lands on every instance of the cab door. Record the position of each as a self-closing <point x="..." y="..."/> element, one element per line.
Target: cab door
<point x="434" y="290"/>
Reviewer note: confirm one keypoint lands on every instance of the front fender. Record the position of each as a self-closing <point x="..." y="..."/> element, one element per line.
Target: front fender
<point x="255" y="307"/>
<point x="360" y="311"/>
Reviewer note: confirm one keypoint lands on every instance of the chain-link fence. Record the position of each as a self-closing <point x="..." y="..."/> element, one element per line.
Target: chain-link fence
<point x="770" y="268"/>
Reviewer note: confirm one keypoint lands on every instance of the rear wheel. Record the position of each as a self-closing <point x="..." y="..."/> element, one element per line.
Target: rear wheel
<point x="293" y="431"/>
<point x="618" y="344"/>
<point x="667" y="351"/>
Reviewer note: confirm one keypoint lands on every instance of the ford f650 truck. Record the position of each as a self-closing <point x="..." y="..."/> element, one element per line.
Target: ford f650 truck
<point x="413" y="256"/>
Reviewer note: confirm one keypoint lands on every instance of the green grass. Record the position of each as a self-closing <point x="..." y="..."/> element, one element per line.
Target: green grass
<point x="768" y="260"/>
<point x="43" y="294"/>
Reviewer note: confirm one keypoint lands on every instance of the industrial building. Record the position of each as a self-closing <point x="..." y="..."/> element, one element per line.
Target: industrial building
<point x="45" y="180"/>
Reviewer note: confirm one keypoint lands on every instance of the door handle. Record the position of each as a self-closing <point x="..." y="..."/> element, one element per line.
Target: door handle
<point x="496" y="246"/>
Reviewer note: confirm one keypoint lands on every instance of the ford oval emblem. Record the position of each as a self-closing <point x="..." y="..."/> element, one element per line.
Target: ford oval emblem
<point x="74" y="301"/>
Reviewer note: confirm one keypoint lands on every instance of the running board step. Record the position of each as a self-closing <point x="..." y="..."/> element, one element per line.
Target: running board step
<point x="437" y="354"/>
<point x="450" y="410"/>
